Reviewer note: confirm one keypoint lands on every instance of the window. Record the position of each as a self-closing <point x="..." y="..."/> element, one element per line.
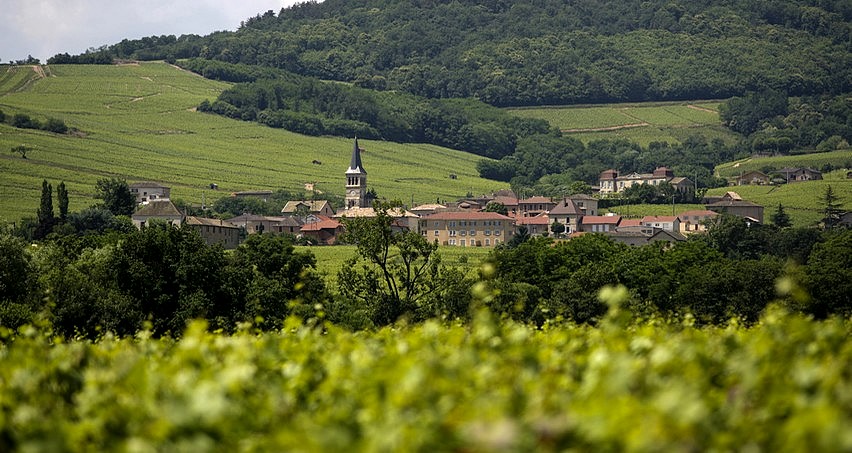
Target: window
<point x="452" y="224"/>
<point x="487" y="233"/>
<point x="452" y="242"/>
<point x="496" y="232"/>
<point x="473" y="232"/>
<point x="462" y="243"/>
<point x="487" y="242"/>
<point x="462" y="223"/>
<point x="437" y="232"/>
<point x="452" y="233"/>
<point x="463" y="232"/>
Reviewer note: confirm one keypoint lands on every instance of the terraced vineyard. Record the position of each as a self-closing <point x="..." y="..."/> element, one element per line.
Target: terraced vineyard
<point x="138" y="122"/>
<point x="642" y="123"/>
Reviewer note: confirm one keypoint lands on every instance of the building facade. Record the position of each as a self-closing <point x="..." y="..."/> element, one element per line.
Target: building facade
<point x="468" y="229"/>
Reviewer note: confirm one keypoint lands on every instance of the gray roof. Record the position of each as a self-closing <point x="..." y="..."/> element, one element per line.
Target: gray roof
<point x="565" y="207"/>
<point x="355" y="165"/>
<point x="158" y="208"/>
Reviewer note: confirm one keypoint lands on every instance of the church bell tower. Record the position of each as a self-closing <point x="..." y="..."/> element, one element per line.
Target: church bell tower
<point x="356" y="181"/>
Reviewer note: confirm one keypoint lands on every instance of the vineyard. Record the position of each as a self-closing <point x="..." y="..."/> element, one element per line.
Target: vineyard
<point x="842" y="158"/>
<point x="642" y="123"/>
<point x="138" y="122"/>
<point x="784" y="384"/>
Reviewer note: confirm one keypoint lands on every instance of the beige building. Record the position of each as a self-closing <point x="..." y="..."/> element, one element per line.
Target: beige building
<point x="146" y="191"/>
<point x="163" y="210"/>
<point x="468" y="229"/>
<point x="215" y="231"/>
<point x="253" y="223"/>
<point x="320" y="207"/>
<point x="611" y="182"/>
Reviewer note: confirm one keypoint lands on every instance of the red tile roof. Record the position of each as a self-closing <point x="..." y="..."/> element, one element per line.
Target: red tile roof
<point x="658" y="218"/>
<point x="322" y="225"/>
<point x="630" y="223"/>
<point x="467" y="215"/>
<point x="601" y="220"/>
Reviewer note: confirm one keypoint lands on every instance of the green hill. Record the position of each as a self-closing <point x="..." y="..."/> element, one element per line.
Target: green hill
<point x="641" y="123"/>
<point x="138" y="122"/>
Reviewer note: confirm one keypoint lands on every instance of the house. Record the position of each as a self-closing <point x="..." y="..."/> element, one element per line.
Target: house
<point x="567" y="213"/>
<point x="683" y="185"/>
<point x="510" y="202"/>
<point x="645" y="236"/>
<point x="611" y="182"/>
<point x="324" y="232"/>
<point x="251" y="224"/>
<point x="664" y="222"/>
<point x="297" y="207"/>
<point x="586" y="204"/>
<point x="599" y="223"/>
<point x="696" y="220"/>
<point x="426" y="209"/>
<point x="467" y="229"/>
<point x="262" y="195"/>
<point x="215" y="231"/>
<point x="534" y="206"/>
<point x="536" y="226"/>
<point x="403" y="219"/>
<point x="146" y="191"/>
<point x="753" y="177"/>
<point x="739" y="208"/>
<point x="163" y="210"/>
<point x="795" y="174"/>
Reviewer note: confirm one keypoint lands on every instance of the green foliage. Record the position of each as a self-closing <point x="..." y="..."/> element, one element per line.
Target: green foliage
<point x="20" y="292"/>
<point x="116" y="196"/>
<point x="45" y="216"/>
<point x="496" y="206"/>
<point x="401" y="268"/>
<point x="780" y="218"/>
<point x="831" y="208"/>
<point x="62" y="201"/>
<point x="490" y="386"/>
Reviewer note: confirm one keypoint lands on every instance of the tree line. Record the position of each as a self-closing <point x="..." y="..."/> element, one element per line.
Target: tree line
<point x="162" y="276"/>
<point x="775" y="123"/>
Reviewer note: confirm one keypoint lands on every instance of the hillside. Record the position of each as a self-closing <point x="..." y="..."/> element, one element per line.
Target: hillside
<point x="138" y="122"/>
<point x="643" y="123"/>
<point x="540" y="52"/>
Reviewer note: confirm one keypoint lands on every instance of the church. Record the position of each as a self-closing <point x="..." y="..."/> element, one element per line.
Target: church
<point x="356" y="181"/>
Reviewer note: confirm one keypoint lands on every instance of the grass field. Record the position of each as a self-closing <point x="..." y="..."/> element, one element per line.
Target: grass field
<point x="842" y="158"/>
<point x="801" y="200"/>
<point x="642" y="123"/>
<point x="138" y="122"/>
<point x="331" y="259"/>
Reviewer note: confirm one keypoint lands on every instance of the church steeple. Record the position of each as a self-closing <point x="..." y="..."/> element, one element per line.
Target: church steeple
<point x="356" y="180"/>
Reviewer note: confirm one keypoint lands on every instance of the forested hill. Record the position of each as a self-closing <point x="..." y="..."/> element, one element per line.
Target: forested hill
<point x="534" y="52"/>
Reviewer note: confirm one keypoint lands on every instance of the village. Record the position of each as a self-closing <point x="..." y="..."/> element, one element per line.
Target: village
<point x="479" y="221"/>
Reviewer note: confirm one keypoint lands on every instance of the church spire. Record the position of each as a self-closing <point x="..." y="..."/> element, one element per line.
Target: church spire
<point x="356" y="181"/>
<point x="355" y="165"/>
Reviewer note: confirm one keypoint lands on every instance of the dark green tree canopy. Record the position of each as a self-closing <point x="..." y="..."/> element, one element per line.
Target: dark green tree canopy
<point x="116" y="196"/>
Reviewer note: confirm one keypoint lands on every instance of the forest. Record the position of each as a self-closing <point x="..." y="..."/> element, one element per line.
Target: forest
<point x="538" y="52"/>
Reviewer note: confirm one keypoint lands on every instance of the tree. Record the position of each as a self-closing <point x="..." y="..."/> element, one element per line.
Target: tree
<point x="557" y="228"/>
<point x="523" y="235"/>
<point x="282" y="279"/>
<point x="496" y="206"/>
<point x="116" y="195"/>
<point x="832" y="209"/>
<point x="401" y="266"/>
<point x="780" y="218"/>
<point x="45" y="215"/>
<point x="62" y="199"/>
<point x="22" y="150"/>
